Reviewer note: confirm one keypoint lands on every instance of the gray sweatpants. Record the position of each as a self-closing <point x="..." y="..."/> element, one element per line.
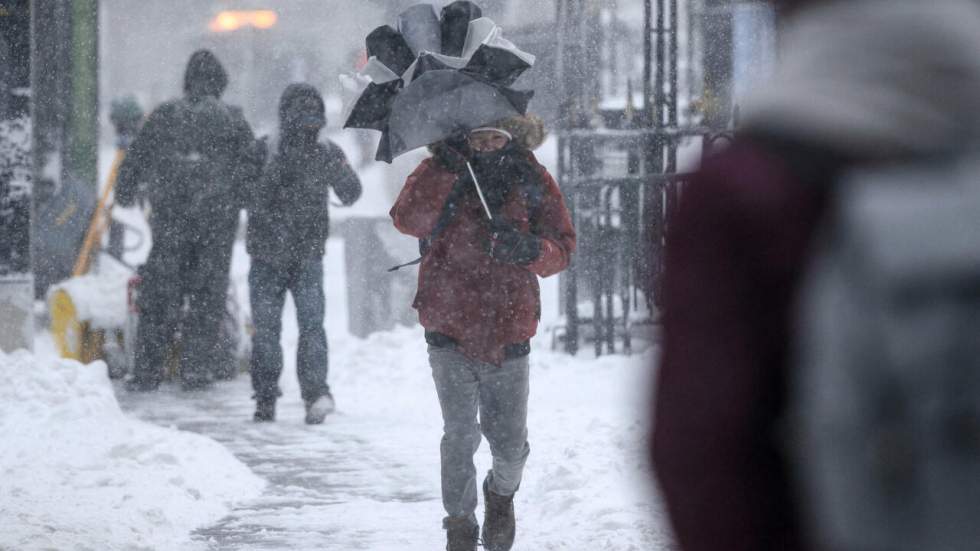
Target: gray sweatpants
<point x="499" y="394"/>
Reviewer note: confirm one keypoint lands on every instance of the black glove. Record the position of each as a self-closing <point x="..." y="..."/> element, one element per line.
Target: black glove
<point x="510" y="246"/>
<point x="453" y="153"/>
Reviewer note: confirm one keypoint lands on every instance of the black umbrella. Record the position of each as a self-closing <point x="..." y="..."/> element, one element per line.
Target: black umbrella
<point x="442" y="102"/>
<point x="464" y="86"/>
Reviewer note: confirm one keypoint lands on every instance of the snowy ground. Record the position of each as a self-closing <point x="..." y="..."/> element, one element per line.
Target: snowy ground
<point x="368" y="478"/>
<point x="77" y="473"/>
<point x="84" y="468"/>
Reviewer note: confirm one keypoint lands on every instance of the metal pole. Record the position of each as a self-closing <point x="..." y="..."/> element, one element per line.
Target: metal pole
<point x="661" y="96"/>
<point x="83" y="119"/>
<point x="692" y="88"/>
<point x="16" y="180"/>
<point x="647" y="59"/>
<point x="566" y="18"/>
<point x="672" y="71"/>
<point x="717" y="29"/>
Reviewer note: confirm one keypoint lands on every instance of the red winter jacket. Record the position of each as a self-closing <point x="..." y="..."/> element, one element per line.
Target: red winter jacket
<point x="483" y="304"/>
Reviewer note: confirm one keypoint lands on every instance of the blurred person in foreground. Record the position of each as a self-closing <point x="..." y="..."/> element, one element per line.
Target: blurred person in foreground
<point x="194" y="154"/>
<point x="288" y="225"/>
<point x="860" y="82"/>
<point x="479" y="301"/>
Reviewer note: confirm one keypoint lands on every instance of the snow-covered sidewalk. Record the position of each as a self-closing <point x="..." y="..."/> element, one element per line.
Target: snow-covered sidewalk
<point x="78" y="474"/>
<point x="368" y="478"/>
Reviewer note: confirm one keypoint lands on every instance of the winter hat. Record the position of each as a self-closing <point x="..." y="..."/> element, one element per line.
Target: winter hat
<point x="204" y="75"/>
<point x="527" y="130"/>
<point x="288" y="112"/>
<point x="495" y="129"/>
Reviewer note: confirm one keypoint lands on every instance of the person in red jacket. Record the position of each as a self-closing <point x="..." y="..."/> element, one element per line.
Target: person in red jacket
<point x="478" y="300"/>
<point x="855" y="87"/>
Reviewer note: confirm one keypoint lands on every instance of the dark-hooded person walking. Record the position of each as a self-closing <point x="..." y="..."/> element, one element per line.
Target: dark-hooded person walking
<point x="478" y="299"/>
<point x="194" y="155"/>
<point x="288" y="223"/>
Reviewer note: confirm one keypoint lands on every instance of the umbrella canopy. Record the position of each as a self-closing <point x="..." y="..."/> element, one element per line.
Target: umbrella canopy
<point x="418" y="95"/>
<point x="442" y="102"/>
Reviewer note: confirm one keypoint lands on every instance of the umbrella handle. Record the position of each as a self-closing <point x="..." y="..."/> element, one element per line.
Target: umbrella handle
<point x="479" y="191"/>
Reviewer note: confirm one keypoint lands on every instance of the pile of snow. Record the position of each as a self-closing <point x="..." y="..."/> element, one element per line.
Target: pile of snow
<point x="99" y="298"/>
<point x="76" y="473"/>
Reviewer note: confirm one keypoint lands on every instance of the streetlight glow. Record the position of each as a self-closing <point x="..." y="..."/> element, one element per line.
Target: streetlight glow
<point x="227" y="21"/>
<point x="264" y="19"/>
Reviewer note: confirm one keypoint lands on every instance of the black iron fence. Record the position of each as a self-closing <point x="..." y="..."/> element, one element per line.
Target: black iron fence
<point x="622" y="187"/>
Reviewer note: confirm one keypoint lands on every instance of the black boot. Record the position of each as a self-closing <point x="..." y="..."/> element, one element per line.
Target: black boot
<point x="265" y="410"/>
<point x="461" y="534"/>
<point x="499" y="524"/>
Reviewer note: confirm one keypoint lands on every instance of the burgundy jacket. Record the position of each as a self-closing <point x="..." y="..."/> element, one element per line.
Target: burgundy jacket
<point x="735" y="255"/>
<point x="484" y="305"/>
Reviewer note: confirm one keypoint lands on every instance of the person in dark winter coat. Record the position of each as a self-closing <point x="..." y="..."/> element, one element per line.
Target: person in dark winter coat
<point x="194" y="154"/>
<point x="288" y="223"/>
<point x="854" y="87"/>
<point x="478" y="300"/>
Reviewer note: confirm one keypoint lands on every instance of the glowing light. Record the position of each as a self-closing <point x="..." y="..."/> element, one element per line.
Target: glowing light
<point x="225" y="21"/>
<point x="228" y="21"/>
<point x="264" y="19"/>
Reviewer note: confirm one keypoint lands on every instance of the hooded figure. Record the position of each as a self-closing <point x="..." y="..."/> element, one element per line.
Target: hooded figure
<point x="288" y="223"/>
<point x="204" y="76"/>
<point x="860" y="82"/>
<point x="193" y="156"/>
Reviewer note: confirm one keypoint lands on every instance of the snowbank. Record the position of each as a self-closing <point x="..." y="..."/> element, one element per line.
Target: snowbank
<point x="99" y="298"/>
<point x="76" y="473"/>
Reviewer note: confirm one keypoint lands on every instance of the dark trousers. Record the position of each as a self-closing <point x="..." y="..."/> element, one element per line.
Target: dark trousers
<point x="188" y="263"/>
<point x="268" y="283"/>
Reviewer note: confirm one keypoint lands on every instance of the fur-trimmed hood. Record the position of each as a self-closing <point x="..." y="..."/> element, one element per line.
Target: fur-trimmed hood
<point x="528" y="130"/>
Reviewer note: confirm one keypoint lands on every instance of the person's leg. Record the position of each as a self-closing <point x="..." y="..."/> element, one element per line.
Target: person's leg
<point x="306" y="286"/>
<point x="503" y="416"/>
<point x="267" y="292"/>
<point x="159" y="301"/>
<point x="207" y="300"/>
<point x="458" y="391"/>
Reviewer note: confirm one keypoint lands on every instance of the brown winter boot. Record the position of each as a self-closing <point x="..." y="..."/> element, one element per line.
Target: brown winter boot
<point x="499" y="523"/>
<point x="461" y="534"/>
